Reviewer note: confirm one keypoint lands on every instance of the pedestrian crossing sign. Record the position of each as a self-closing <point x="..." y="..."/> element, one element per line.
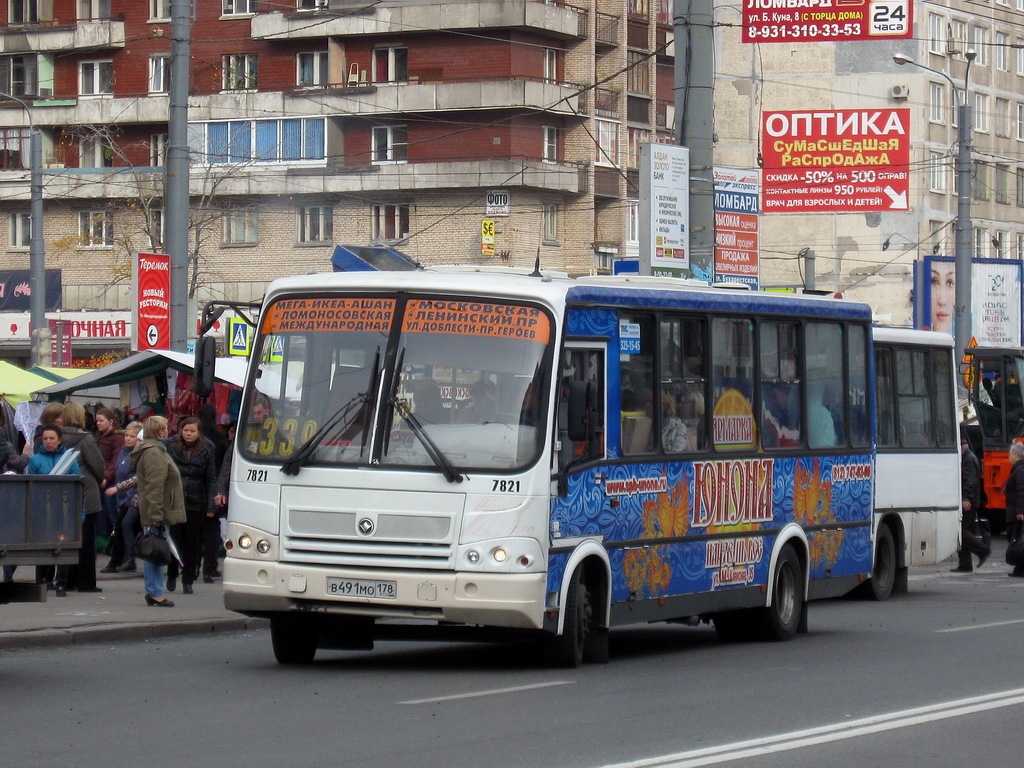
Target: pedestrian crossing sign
<point x="239" y="337"/>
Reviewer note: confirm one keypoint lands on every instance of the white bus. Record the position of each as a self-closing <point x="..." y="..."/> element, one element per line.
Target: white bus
<point x="479" y="451"/>
<point x="917" y="462"/>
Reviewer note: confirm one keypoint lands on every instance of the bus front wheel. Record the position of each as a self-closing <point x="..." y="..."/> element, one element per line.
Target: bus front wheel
<point x="566" y="650"/>
<point x="883" y="574"/>
<point x="782" y="617"/>
<point x="294" y="639"/>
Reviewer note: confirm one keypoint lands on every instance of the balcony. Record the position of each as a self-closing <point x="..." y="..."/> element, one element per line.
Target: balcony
<point x="606" y="182"/>
<point x="606" y="102"/>
<point x="80" y="36"/>
<point x="607" y="30"/>
<point x="562" y="22"/>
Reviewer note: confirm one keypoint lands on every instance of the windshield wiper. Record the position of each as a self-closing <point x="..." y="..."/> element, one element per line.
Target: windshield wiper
<point x="436" y="455"/>
<point x="306" y="450"/>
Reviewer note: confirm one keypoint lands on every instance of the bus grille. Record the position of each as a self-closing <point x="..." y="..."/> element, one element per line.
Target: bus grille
<point x="368" y="539"/>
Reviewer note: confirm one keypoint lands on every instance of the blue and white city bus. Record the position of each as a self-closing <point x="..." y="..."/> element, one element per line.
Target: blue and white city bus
<point x="448" y="449"/>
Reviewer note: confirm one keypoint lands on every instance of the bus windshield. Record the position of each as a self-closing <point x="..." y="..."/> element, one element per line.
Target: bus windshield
<point x="461" y="387"/>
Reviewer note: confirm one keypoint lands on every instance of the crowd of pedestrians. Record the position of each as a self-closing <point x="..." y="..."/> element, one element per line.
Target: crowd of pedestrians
<point x="134" y="478"/>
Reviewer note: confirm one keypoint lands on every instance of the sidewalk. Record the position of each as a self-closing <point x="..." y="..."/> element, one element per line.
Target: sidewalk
<point x="118" y="613"/>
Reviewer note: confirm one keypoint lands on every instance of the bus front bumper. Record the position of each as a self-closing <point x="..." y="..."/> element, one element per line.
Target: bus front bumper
<point x="489" y="599"/>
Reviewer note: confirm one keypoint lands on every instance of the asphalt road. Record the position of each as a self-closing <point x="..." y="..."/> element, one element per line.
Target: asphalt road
<point x="924" y="679"/>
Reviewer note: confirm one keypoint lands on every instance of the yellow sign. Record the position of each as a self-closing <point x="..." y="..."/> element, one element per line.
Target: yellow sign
<point x="487" y="237"/>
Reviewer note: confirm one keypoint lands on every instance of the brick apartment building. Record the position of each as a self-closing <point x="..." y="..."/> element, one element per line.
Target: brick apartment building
<point x="316" y="122"/>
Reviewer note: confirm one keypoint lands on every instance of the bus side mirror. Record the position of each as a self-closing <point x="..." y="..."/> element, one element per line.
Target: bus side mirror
<point x="582" y="405"/>
<point x="206" y="361"/>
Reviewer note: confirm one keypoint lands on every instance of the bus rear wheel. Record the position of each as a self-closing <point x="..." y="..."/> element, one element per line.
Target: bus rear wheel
<point x="294" y="639"/>
<point x="781" y="619"/>
<point x="883" y="575"/>
<point x="567" y="649"/>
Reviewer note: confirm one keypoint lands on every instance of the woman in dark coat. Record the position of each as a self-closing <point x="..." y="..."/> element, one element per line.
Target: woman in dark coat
<point x="93" y="469"/>
<point x="195" y="457"/>
<point x="1015" y="499"/>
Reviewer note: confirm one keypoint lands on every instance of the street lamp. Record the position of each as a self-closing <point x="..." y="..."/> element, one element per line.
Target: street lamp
<point x="964" y="226"/>
<point x="37" y="256"/>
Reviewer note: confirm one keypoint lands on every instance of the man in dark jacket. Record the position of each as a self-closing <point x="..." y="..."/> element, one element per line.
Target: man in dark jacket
<point x="971" y="540"/>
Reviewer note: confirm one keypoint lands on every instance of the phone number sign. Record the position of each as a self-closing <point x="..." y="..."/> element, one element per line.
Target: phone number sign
<point x="823" y="21"/>
<point x="836" y="161"/>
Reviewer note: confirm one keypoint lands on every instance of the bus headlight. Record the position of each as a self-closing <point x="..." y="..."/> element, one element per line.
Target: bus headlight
<point x="263" y="546"/>
<point x="513" y="555"/>
<point x="499" y="555"/>
<point x="245" y="541"/>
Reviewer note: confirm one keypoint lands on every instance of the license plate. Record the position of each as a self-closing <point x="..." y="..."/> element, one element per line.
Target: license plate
<point x="382" y="590"/>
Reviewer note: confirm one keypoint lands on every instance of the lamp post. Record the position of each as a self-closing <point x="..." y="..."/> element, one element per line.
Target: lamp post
<point x="37" y="256"/>
<point x="964" y="226"/>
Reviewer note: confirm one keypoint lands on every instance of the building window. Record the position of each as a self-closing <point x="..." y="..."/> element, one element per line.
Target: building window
<point x="958" y="37"/>
<point x="981" y="112"/>
<point x="1020" y="122"/>
<point x="24" y="12"/>
<point x="311" y="5"/>
<point x="390" y="144"/>
<point x="241" y="226"/>
<point x="999" y="241"/>
<point x="155" y="227"/>
<point x="1019" y="47"/>
<point x="607" y="150"/>
<point x="21" y="230"/>
<point x="549" y="222"/>
<point x="238" y="71"/>
<point x="315" y="224"/>
<point x="95" y="151"/>
<point x="311" y="70"/>
<point x="1020" y="187"/>
<point x="638" y="77"/>
<point x="981" y="183"/>
<point x="96" y="78"/>
<point x="96" y="229"/>
<point x="159" y="74"/>
<point x="550" y="65"/>
<point x="19" y="75"/>
<point x="936" y="172"/>
<point x="549" y="152"/>
<point x="1003" y="117"/>
<point x="159" y="10"/>
<point x="390" y="223"/>
<point x="936" y="103"/>
<point x="93" y="10"/>
<point x="936" y="33"/>
<point x="390" y="65"/>
<point x="1003" y="183"/>
<point x="14" y="150"/>
<point x="238" y="7"/>
<point x="1020" y="245"/>
<point x="158" y="149"/>
<point x="633" y="222"/>
<point x="979" y="37"/>
<point x="999" y="58"/>
<point x="637" y="138"/>
<point x="980" y="243"/>
<point x="259" y="141"/>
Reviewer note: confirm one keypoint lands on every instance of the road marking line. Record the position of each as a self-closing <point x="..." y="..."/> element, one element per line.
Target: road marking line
<point x="828" y="733"/>
<point x="981" y="626"/>
<point x="493" y="692"/>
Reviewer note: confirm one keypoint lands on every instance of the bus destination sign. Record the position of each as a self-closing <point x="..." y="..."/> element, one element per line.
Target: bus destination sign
<point x="826" y="21"/>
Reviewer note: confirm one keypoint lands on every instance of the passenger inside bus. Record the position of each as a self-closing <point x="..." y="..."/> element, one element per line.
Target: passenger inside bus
<point x="781" y="416"/>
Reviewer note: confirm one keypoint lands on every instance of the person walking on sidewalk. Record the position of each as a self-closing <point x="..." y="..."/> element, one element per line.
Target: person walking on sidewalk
<point x="1015" y="499"/>
<point x="124" y="488"/>
<point x="161" y="499"/>
<point x="196" y="460"/>
<point x="971" y="540"/>
<point x="93" y="467"/>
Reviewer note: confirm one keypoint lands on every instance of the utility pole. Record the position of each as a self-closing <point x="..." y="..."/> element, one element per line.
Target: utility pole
<point x="176" y="173"/>
<point x="694" y="123"/>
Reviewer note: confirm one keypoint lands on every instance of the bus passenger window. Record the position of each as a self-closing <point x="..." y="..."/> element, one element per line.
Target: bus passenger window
<point x="780" y="385"/>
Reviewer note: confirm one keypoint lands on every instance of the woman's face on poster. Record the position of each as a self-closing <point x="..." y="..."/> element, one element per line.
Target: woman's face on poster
<point x="943" y="297"/>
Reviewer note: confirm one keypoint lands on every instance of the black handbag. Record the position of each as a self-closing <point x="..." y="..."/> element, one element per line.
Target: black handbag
<point x="983" y="530"/>
<point x="1015" y="551"/>
<point x="150" y="545"/>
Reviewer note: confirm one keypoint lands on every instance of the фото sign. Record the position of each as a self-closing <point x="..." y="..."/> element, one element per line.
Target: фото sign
<point x="737" y="226"/>
<point x="826" y="21"/>
<point x="151" y="311"/>
<point x="832" y="161"/>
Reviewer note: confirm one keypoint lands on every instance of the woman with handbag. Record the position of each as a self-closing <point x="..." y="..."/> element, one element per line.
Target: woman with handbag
<point x="195" y="457"/>
<point x="161" y="499"/>
<point x="1015" y="509"/>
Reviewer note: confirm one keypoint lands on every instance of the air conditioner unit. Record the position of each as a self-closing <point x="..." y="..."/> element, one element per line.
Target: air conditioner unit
<point x="900" y="92"/>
